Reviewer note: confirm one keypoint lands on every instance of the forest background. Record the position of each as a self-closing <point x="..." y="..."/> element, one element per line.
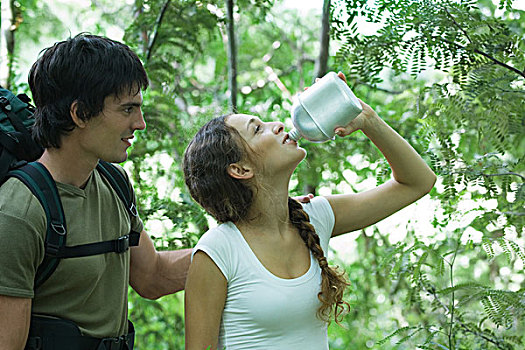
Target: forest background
<point x="444" y="273"/>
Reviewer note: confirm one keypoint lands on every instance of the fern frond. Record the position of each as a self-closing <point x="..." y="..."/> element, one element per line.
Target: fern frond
<point x="397" y="332"/>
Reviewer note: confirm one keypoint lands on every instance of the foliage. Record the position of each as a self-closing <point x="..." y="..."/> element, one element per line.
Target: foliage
<point x="159" y="324"/>
<point x="187" y="70"/>
<point x="471" y="120"/>
<point x="31" y="19"/>
<point x="447" y="75"/>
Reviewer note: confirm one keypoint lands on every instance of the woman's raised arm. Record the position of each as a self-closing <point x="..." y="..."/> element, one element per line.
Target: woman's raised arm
<point x="412" y="177"/>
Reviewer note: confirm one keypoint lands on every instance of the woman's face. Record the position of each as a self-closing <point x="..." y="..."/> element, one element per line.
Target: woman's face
<point x="270" y="143"/>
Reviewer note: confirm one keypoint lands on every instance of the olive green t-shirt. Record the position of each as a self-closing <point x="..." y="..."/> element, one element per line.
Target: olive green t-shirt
<point x="90" y="291"/>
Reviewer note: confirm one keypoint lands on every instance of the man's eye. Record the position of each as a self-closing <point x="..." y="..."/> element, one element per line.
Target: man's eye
<point x="128" y="110"/>
<point x="257" y="128"/>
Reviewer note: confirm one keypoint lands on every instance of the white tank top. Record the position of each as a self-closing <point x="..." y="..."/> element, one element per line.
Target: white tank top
<point x="263" y="311"/>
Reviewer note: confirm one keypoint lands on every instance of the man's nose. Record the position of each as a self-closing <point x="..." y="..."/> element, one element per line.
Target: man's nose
<point x="140" y="124"/>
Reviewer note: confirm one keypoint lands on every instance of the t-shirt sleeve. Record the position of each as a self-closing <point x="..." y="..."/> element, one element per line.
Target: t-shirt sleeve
<point x="22" y="231"/>
<point x="217" y="246"/>
<point x="322" y="218"/>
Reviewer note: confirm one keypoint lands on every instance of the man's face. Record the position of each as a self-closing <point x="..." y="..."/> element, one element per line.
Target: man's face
<point x="108" y="135"/>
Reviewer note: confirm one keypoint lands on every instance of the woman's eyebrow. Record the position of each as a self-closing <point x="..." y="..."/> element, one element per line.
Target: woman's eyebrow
<point x="252" y="120"/>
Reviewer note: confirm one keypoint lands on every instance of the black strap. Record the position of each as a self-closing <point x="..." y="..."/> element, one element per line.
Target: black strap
<point x="10" y="143"/>
<point x="119" y="245"/>
<point x="38" y="179"/>
<point x="47" y="333"/>
<point x="6" y="159"/>
<point x="79" y="342"/>
<point x="120" y="185"/>
<point x="123" y="189"/>
<point x="15" y="121"/>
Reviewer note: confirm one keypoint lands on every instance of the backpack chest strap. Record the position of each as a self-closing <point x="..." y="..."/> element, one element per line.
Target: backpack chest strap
<point x="119" y="245"/>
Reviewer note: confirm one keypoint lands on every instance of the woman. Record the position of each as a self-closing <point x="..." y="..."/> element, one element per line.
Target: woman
<point x="260" y="280"/>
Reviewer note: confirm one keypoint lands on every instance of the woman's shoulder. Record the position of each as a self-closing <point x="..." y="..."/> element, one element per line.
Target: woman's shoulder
<point x="219" y="244"/>
<point x="218" y="239"/>
<point x="321" y="217"/>
<point x="217" y="234"/>
<point x="319" y="207"/>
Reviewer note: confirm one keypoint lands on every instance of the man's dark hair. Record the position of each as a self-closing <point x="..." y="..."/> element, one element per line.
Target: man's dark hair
<point x="85" y="69"/>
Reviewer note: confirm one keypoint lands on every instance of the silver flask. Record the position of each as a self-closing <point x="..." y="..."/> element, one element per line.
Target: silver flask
<point x="327" y="104"/>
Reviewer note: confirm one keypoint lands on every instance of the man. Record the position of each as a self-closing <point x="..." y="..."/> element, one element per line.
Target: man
<point x="88" y="96"/>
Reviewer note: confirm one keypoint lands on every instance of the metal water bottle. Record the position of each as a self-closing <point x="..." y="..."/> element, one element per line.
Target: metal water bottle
<point x="327" y="104"/>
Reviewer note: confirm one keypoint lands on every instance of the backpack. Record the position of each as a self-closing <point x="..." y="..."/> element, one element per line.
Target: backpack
<point x="16" y="142"/>
<point x="18" y="153"/>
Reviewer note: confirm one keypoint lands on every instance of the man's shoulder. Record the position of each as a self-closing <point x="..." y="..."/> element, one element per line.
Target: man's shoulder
<point x="17" y="200"/>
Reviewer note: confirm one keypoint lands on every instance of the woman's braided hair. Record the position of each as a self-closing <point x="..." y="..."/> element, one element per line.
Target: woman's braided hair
<point x="333" y="282"/>
<point x="217" y="145"/>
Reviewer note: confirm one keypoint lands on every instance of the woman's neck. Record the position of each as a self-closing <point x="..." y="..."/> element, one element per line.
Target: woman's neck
<point x="269" y="211"/>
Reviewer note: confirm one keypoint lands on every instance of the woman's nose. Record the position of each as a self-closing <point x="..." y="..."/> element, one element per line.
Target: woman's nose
<point x="278" y="127"/>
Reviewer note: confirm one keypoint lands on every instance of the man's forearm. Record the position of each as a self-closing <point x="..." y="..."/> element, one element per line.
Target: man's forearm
<point x="173" y="269"/>
<point x="14" y="322"/>
<point x="167" y="275"/>
<point x="154" y="274"/>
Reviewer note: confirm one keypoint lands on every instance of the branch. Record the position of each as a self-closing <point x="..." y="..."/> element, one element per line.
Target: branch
<point x="510" y="91"/>
<point x="463" y="325"/>
<point x="505" y="174"/>
<point x="392" y="92"/>
<point x="457" y="25"/>
<point x="157" y="26"/>
<point x="451" y="337"/>
<point x="513" y="213"/>
<point x="484" y="54"/>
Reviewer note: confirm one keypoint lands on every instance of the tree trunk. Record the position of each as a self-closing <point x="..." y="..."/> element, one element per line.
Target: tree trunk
<point x="232" y="56"/>
<point x="321" y="64"/>
<point x="321" y="67"/>
<point x="7" y="43"/>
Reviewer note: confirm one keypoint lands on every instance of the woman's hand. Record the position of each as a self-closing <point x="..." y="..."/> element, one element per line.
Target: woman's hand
<point x="359" y="122"/>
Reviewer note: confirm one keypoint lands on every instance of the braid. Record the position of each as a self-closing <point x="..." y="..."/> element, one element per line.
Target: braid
<point x="333" y="282"/>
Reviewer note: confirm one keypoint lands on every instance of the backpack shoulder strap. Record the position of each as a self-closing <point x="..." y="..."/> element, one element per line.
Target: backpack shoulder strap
<point x="40" y="182"/>
<point x="121" y="185"/>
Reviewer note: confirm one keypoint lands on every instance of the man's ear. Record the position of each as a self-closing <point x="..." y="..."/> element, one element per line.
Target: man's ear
<point x="240" y="171"/>
<point x="74" y="115"/>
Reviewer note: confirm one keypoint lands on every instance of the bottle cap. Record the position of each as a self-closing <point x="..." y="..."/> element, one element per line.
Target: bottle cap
<point x="294" y="134"/>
